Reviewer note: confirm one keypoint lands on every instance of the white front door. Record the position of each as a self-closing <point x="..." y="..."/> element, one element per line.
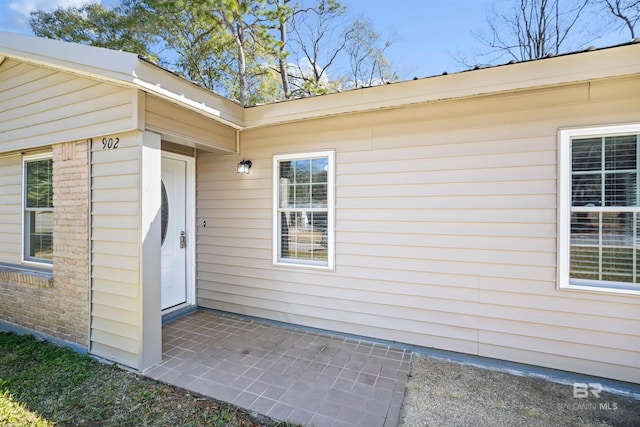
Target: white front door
<point x="174" y="233"/>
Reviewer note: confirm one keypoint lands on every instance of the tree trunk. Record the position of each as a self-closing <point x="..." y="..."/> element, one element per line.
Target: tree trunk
<point x="282" y="57"/>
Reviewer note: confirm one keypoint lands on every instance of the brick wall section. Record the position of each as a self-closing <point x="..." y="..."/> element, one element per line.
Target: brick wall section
<point x="58" y="307"/>
<point x="71" y="281"/>
<point x="18" y="289"/>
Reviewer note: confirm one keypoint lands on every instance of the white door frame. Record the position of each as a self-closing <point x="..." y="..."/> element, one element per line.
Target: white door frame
<point x="190" y="197"/>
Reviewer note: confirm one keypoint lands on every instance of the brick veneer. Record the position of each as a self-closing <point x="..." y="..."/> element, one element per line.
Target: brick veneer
<point x="57" y="304"/>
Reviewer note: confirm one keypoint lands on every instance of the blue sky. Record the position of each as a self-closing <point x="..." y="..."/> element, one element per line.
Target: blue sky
<point x="428" y="35"/>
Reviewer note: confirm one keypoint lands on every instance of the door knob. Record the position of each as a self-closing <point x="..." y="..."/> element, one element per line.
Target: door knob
<point x="183" y="240"/>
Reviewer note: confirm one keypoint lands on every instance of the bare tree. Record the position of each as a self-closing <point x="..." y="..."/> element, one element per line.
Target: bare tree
<point x="366" y="52"/>
<point x="627" y="11"/>
<point x="534" y="28"/>
<point x="317" y="37"/>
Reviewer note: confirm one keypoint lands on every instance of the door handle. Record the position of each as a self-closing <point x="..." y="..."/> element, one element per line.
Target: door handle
<point x="183" y="240"/>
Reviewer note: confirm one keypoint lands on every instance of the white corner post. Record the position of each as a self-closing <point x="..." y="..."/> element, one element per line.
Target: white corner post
<point x="150" y="352"/>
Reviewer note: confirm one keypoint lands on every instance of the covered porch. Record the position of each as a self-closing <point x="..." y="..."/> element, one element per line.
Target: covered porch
<point x="284" y="372"/>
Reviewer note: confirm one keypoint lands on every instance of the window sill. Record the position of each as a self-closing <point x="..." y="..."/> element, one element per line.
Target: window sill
<point x="26" y="275"/>
<point x="600" y="290"/>
<point x="303" y="266"/>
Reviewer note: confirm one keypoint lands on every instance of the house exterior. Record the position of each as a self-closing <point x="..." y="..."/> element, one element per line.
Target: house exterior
<point x="492" y="212"/>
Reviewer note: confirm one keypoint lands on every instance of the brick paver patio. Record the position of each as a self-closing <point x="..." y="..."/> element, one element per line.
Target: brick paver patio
<point x="286" y="373"/>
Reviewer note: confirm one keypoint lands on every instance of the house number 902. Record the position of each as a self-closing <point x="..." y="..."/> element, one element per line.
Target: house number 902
<point x="110" y="143"/>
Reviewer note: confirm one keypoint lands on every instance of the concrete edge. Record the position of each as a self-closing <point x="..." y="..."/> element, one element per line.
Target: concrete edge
<point x="175" y="315"/>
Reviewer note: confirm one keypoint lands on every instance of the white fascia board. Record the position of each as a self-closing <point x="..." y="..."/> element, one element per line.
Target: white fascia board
<point x="570" y="68"/>
<point x="121" y="68"/>
<point x="97" y="62"/>
<point x="164" y="84"/>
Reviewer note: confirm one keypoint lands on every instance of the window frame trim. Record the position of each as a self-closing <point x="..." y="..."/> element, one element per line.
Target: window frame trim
<point x="565" y="137"/>
<point x="330" y="265"/>
<point x="39" y="262"/>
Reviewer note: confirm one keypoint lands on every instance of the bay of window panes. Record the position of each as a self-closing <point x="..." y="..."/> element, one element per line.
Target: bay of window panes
<point x="605" y="210"/>
<point x="303" y="210"/>
<point x="38" y="210"/>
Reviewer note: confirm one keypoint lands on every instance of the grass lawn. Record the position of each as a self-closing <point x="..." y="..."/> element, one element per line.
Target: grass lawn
<point x="45" y="385"/>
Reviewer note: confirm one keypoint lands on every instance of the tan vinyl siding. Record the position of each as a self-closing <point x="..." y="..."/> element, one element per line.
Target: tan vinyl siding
<point x="181" y="126"/>
<point x="445" y="230"/>
<point x="10" y="208"/>
<point x="115" y="252"/>
<point x="40" y="106"/>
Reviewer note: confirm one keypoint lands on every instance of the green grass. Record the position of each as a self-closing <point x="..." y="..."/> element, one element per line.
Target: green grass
<point x="45" y="385"/>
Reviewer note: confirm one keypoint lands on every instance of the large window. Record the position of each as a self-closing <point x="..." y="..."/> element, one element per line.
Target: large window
<point x="303" y="209"/>
<point x="599" y="208"/>
<point x="38" y="209"/>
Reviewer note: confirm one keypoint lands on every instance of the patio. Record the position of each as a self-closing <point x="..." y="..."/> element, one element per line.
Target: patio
<point x="286" y="373"/>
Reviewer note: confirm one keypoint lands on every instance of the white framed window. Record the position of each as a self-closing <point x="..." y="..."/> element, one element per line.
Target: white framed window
<point x="38" y="209"/>
<point x="599" y="209"/>
<point x="303" y="209"/>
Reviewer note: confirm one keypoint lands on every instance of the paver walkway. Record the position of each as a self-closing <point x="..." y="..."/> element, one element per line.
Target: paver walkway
<point x="285" y="373"/>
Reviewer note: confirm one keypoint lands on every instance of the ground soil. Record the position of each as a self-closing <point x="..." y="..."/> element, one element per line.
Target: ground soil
<point x="446" y="393"/>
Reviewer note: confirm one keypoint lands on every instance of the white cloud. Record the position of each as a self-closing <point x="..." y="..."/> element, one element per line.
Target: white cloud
<point x="22" y="8"/>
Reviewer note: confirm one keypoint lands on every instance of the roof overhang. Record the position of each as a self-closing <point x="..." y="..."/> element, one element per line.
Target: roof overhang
<point x="564" y="69"/>
<point x="120" y="68"/>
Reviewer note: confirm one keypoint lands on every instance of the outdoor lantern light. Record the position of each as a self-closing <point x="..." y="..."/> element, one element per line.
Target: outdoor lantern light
<point x="244" y="166"/>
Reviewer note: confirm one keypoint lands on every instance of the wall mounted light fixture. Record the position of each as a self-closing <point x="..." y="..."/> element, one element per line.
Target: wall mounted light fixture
<point x="244" y="166"/>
